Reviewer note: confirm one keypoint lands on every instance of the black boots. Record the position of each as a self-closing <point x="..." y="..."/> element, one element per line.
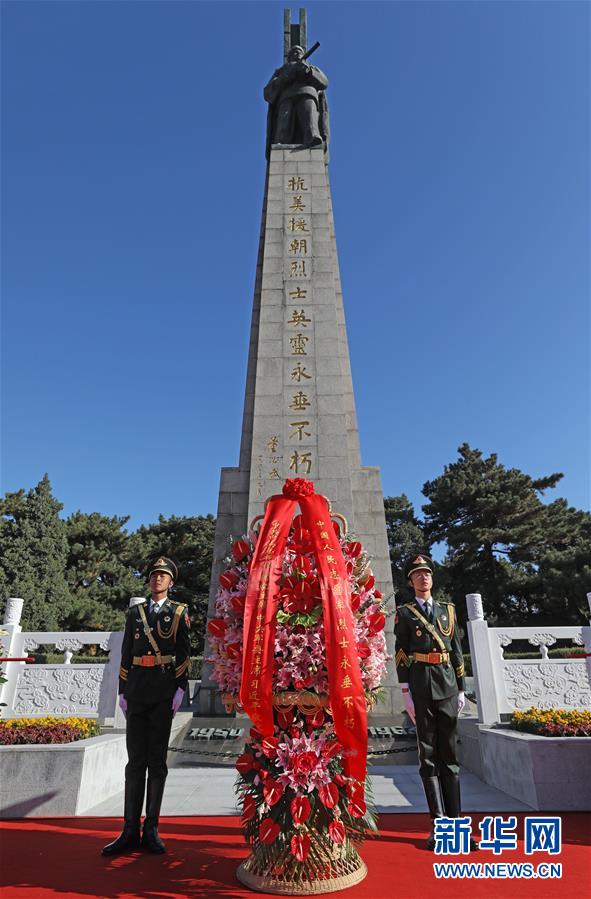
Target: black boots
<point x="450" y="788"/>
<point x="435" y="803"/>
<point x="150" y="838"/>
<point x="129" y="838"/>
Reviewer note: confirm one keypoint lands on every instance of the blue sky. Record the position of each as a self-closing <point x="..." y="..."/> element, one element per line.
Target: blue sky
<point x="133" y="168"/>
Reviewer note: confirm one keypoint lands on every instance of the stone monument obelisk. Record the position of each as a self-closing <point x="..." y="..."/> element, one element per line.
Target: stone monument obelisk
<point x="299" y="415"/>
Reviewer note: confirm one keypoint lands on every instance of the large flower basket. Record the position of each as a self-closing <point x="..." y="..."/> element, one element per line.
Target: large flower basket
<point x="298" y="643"/>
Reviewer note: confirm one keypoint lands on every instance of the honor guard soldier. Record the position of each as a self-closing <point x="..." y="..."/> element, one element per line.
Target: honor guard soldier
<point x="430" y="668"/>
<point x="152" y="681"/>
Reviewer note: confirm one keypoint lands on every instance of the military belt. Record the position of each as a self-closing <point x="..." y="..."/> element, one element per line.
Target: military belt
<point x="431" y="658"/>
<point x="152" y="661"/>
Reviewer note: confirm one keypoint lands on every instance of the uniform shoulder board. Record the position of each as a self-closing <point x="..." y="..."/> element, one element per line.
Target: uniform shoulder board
<point x="182" y="605"/>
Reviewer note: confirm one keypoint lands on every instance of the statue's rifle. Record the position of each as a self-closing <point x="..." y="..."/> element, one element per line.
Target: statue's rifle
<point x="311" y="50"/>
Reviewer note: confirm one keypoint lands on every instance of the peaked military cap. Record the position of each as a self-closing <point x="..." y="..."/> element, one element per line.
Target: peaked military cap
<point x="418" y="562"/>
<point x="162" y="563"/>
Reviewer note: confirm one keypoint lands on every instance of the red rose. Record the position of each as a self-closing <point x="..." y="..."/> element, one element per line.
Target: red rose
<point x="328" y="795"/>
<point x="244" y="763"/>
<point x="240" y="549"/>
<point x="377" y="594"/>
<point x="296" y="487"/>
<point x="305" y="762"/>
<point x="300" y="846"/>
<point x="229" y="579"/>
<point x="249" y="808"/>
<point x="336" y="831"/>
<point x="369" y="582"/>
<point x="272" y="791"/>
<point x="268" y="831"/>
<point x="216" y="627"/>
<point x="340" y="780"/>
<point x="300" y="809"/>
<point x="354" y="549"/>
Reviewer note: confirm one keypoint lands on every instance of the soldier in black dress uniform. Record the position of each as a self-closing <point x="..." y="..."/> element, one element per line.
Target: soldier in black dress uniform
<point x="152" y="681"/>
<point x="430" y="664"/>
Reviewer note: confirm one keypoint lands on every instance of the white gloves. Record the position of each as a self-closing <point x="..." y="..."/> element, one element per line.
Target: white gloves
<point x="123" y="704"/>
<point x="410" y="706"/>
<point x="461" y="701"/>
<point x="177" y="700"/>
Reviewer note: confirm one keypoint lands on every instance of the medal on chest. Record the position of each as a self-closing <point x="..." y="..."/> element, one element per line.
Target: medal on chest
<point x="419" y="632"/>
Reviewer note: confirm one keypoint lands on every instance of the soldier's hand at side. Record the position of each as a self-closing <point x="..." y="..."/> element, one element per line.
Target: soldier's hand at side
<point x="177" y="700"/>
<point x="410" y="706"/>
<point x="461" y="701"/>
<point x="123" y="704"/>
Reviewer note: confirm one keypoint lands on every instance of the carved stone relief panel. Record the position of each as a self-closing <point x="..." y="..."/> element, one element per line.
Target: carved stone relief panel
<point x="57" y="690"/>
<point x="555" y="684"/>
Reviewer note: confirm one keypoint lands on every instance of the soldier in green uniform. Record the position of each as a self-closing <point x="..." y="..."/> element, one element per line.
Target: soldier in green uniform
<point x="152" y="681"/>
<point x="430" y="668"/>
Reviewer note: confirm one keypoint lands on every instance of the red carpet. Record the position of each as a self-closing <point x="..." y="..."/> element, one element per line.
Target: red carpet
<point x="60" y="857"/>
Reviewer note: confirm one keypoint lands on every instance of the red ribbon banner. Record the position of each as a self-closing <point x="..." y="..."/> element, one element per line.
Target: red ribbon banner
<point x="347" y="699"/>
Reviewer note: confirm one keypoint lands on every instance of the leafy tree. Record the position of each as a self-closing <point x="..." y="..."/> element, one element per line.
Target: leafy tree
<point x="100" y="577"/>
<point x="33" y="554"/>
<point x="525" y="557"/>
<point x="189" y="541"/>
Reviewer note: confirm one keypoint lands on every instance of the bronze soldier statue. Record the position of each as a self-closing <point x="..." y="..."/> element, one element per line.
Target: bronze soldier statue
<point x="153" y="676"/>
<point x="430" y="668"/>
<point x="298" y="113"/>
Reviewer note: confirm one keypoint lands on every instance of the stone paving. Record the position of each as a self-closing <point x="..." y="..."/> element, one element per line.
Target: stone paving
<point x="201" y="781"/>
<point x="397" y="788"/>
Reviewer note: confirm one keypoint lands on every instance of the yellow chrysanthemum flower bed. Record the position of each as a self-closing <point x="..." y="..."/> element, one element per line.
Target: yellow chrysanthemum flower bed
<point x="554" y="722"/>
<point x="50" y="729"/>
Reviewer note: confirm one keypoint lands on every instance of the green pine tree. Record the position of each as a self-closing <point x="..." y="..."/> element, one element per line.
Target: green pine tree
<point x="33" y="553"/>
<point x="189" y="541"/>
<point x="100" y="576"/>
<point x="528" y="559"/>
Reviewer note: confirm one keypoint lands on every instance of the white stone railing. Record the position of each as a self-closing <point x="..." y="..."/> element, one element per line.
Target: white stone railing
<point x="33" y="691"/>
<point x="506" y="685"/>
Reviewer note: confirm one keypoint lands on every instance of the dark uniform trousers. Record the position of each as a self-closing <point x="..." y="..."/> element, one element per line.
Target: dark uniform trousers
<point x="433" y="668"/>
<point x="148" y="733"/>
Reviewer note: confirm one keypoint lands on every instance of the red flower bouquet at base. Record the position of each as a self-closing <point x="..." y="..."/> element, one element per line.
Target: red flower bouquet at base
<point x="304" y="803"/>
